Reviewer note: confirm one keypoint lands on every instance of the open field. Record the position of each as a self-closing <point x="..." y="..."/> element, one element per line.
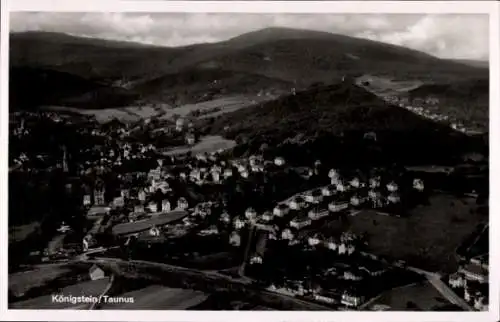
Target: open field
<point x="134" y="113"/>
<point x="207" y="144"/>
<point x="138" y="226"/>
<point x="415" y="297"/>
<point x="157" y="297"/>
<point x="428" y="238"/>
<point x="386" y="86"/>
<point x="88" y="288"/>
<point x="21" y="282"/>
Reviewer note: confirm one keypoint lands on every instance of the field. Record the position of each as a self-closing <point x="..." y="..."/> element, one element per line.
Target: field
<point x="157" y="297"/>
<point x="415" y="297"/>
<point x="21" y="282"/>
<point x="428" y="238"/>
<point x="88" y="288"/>
<point x="207" y="144"/>
<point x="134" y="113"/>
<point x="387" y="86"/>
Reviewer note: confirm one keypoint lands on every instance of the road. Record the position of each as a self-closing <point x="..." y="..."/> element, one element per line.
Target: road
<point x="448" y="293"/>
<point x="95" y="305"/>
<point x="207" y="274"/>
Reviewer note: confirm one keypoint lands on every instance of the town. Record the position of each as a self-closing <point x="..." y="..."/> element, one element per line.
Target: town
<point x="285" y="228"/>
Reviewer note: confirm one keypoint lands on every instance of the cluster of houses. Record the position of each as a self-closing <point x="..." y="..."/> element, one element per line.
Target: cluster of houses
<point x="471" y="279"/>
<point x="417" y="106"/>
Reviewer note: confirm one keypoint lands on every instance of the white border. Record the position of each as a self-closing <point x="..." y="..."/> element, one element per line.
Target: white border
<point x="488" y="7"/>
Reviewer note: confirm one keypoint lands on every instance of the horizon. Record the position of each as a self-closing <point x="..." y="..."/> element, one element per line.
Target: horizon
<point x="440" y="35"/>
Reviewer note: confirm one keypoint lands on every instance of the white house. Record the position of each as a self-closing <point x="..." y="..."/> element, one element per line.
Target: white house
<point x="356" y="200"/>
<point x="374" y="182"/>
<point x="279" y="161"/>
<point x="336" y="206"/>
<point x="300" y="222"/>
<point x="314" y="196"/>
<point x="154" y="231"/>
<point x="228" y="173"/>
<point x="394" y="198"/>
<point x="239" y="223"/>
<point x="314" y="240"/>
<point x="245" y="174"/>
<point x="139" y="209"/>
<point x="297" y="203"/>
<point x="96" y="273"/>
<point x="351" y="300"/>
<point x="331" y="243"/>
<point x="342" y="249"/>
<point x="152" y="206"/>
<point x="119" y="202"/>
<point x="225" y="218"/>
<point x="281" y="210"/>
<point x="125" y="193"/>
<point x="255" y="259"/>
<point x="141" y="195"/>
<point x="333" y="173"/>
<point x="318" y="213"/>
<point x="341" y="187"/>
<point x="418" y="185"/>
<point x="392" y="186"/>
<point x="329" y="190"/>
<point x="355" y="183"/>
<point x="216" y="176"/>
<point x="456" y="280"/>
<point x="165" y="205"/>
<point x="325" y="297"/>
<point x="87" y="200"/>
<point x="287" y="234"/>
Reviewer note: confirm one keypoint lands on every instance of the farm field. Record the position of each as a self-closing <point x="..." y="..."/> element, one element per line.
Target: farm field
<point x="158" y="297"/>
<point x="134" y="113"/>
<point x="428" y="238"/>
<point x="21" y="282"/>
<point x="207" y="144"/>
<point x="415" y="297"/>
<point x="88" y="288"/>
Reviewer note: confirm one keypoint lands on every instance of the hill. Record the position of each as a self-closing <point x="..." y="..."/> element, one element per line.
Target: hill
<point x="463" y="100"/>
<point x="31" y="87"/>
<point x="271" y="58"/>
<point x="474" y="63"/>
<point x="331" y="121"/>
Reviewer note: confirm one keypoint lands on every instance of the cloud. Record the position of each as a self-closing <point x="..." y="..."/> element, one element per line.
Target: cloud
<point x="462" y="36"/>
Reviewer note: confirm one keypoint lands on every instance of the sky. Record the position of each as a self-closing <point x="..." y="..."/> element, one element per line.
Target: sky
<point x="457" y="36"/>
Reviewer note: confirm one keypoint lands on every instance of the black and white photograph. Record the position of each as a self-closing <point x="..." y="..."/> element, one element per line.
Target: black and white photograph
<point x="217" y="161"/>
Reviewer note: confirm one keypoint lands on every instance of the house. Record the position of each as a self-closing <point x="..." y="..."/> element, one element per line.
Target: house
<point x="212" y="230"/>
<point x="352" y="275"/>
<point x="225" y="218"/>
<point x="333" y="174"/>
<point x="228" y="173"/>
<point x="244" y="174"/>
<point x="154" y="231"/>
<point x="165" y="205"/>
<point x="190" y="139"/>
<point x="457" y="280"/>
<point x="267" y="216"/>
<point x="480" y="303"/>
<point x="351" y="300"/>
<point x="96" y="273"/>
<point x="318" y="213"/>
<point x="342" y="248"/>
<point x="394" y="198"/>
<point x="125" y="193"/>
<point x="297" y="203"/>
<point x="118" y="202"/>
<point x="474" y="272"/>
<point x="418" y="185"/>
<point x="279" y="161"/>
<point x="255" y="259"/>
<point x="153" y="207"/>
<point x="331" y="243"/>
<point x="341" y="187"/>
<point x="375" y="198"/>
<point x="182" y="203"/>
<point x="287" y="234"/>
<point x="325" y="297"/>
<point x="355" y="183"/>
<point x="179" y="124"/>
<point x="356" y="200"/>
<point x="392" y="186"/>
<point x="336" y="206"/>
<point x="300" y="222"/>
<point x="99" y="197"/>
<point x="235" y="239"/>
<point x="216" y="176"/>
<point x="281" y="210"/>
<point x="251" y="214"/>
<point x="329" y="190"/>
<point x="239" y="223"/>
<point x="314" y="196"/>
<point x="139" y="209"/>
<point x="314" y="240"/>
<point x="141" y="195"/>
<point x="87" y="200"/>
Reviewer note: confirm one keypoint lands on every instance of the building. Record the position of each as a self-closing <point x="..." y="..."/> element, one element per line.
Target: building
<point x="473" y="272"/>
<point x="351" y="300"/>
<point x="96" y="273"/>
<point x="418" y="185"/>
<point x="356" y="201"/>
<point x="87" y="200"/>
<point x="318" y="213"/>
<point x="314" y="240"/>
<point x="267" y="216"/>
<point x="300" y="222"/>
<point x="190" y="139"/>
<point x="279" y="161"/>
<point x="225" y="218"/>
<point x="297" y="203"/>
<point x="212" y="230"/>
<point x="239" y="223"/>
<point x="325" y="297"/>
<point x="153" y="207"/>
<point x="329" y="190"/>
<point x="251" y="214"/>
<point x="394" y="198"/>
<point x="314" y="196"/>
<point x="182" y="203"/>
<point x="392" y="187"/>
<point x="281" y="210"/>
<point x="374" y="182"/>
<point x="287" y="234"/>
<point x="235" y="239"/>
<point x="355" y="183"/>
<point x="457" y="280"/>
<point x="228" y="173"/>
<point x="255" y="259"/>
<point x="337" y="206"/>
